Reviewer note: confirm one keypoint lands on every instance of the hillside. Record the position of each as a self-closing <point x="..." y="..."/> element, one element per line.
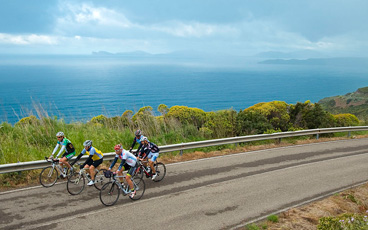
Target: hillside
<point x="355" y="103"/>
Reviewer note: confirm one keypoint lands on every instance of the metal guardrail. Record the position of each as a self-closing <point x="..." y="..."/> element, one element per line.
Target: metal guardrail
<point x="31" y="165"/>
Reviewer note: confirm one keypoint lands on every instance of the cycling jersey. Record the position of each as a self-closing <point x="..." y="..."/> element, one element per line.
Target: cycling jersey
<point x="126" y="158"/>
<point x="65" y="145"/>
<point x="95" y="153"/>
<point x="149" y="148"/>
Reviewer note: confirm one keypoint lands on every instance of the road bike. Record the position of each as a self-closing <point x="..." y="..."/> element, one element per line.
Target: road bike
<point x="50" y="174"/>
<point x="159" y="167"/>
<point x="77" y="181"/>
<point x="110" y="192"/>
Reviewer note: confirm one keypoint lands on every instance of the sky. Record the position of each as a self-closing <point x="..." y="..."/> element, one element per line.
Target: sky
<point x="218" y="27"/>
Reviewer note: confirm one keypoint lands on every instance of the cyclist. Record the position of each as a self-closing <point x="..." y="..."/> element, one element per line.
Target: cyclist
<point x="150" y="151"/>
<point x="93" y="161"/>
<point x="138" y="138"/>
<point x="128" y="162"/>
<point x="65" y="145"/>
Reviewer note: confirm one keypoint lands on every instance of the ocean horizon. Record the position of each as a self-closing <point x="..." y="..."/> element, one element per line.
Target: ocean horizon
<point x="77" y="88"/>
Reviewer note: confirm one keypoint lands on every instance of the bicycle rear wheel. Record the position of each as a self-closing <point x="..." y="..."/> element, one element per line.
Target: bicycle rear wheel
<point x="139" y="187"/>
<point x="109" y="193"/>
<point x="100" y="179"/>
<point x="160" y="170"/>
<point x="76" y="184"/>
<point x="48" y="176"/>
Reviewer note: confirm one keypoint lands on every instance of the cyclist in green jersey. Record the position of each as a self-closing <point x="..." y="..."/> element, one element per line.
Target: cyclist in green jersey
<point x="67" y="146"/>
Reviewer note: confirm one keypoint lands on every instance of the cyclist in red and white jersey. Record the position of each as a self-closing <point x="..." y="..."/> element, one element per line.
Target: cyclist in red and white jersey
<point x="128" y="162"/>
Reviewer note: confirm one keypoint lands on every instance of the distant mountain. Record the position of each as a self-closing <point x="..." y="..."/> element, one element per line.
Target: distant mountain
<point x="126" y="54"/>
<point x="302" y="54"/>
<point x="355" y="103"/>
<point x="347" y="61"/>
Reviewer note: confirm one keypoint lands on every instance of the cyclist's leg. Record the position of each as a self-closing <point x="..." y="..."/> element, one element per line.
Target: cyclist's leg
<point x="150" y="154"/>
<point x="66" y="158"/>
<point x="92" y="168"/>
<point x="63" y="160"/>
<point x="120" y="173"/>
<point x="152" y="161"/>
<point x="129" y="175"/>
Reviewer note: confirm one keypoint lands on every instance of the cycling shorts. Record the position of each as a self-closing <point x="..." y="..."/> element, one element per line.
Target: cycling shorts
<point x="68" y="155"/>
<point x="94" y="163"/>
<point x="153" y="156"/>
<point x="131" y="169"/>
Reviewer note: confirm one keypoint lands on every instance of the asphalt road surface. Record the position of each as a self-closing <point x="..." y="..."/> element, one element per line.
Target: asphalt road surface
<point x="215" y="193"/>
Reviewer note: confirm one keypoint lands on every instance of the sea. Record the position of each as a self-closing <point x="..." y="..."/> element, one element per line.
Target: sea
<point x="77" y="88"/>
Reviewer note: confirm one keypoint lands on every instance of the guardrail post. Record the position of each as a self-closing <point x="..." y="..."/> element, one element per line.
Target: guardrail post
<point x="278" y="140"/>
<point x="181" y="152"/>
<point x="349" y="133"/>
<point x="317" y="136"/>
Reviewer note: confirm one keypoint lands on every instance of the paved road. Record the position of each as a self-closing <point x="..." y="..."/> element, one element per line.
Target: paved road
<point x="215" y="193"/>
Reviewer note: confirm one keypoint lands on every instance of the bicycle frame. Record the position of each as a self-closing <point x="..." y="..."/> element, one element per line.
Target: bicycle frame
<point x="55" y="163"/>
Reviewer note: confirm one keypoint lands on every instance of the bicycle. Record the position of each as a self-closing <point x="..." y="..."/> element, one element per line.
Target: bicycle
<point x="50" y="174"/>
<point x="77" y="181"/>
<point x="159" y="167"/>
<point x="110" y="192"/>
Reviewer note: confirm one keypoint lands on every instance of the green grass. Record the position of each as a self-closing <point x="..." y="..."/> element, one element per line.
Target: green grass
<point x="273" y="218"/>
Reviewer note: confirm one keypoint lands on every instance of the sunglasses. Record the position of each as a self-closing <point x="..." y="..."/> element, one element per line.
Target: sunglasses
<point x="59" y="137"/>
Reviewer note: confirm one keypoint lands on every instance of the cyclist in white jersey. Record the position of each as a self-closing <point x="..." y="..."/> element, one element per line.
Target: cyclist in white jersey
<point x="128" y="162"/>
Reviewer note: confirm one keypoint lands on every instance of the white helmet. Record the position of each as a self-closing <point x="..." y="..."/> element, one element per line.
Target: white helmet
<point x="60" y="134"/>
<point x="87" y="143"/>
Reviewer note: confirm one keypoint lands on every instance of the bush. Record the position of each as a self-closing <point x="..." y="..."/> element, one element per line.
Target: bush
<point x="343" y="222"/>
<point x="273" y="218"/>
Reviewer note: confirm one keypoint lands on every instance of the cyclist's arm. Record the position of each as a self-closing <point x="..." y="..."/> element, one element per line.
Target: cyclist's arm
<point x="134" y="141"/>
<point x="121" y="165"/>
<point x="78" y="157"/>
<point x="53" y="152"/>
<point x="113" y="163"/>
<point x="61" y="150"/>
<point x="139" y="147"/>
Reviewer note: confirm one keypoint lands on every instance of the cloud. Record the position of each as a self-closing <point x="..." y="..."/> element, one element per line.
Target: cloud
<point x="89" y="19"/>
<point x="192" y="29"/>
<point x="28" y="39"/>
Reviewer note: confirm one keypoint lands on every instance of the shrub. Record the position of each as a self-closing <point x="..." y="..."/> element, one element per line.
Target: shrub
<point x="343" y="222"/>
<point x="273" y="218"/>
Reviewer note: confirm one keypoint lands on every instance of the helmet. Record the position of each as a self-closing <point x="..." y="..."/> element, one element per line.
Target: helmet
<point x="87" y="143"/>
<point x="144" y="139"/>
<point x="138" y="132"/>
<point x="118" y="147"/>
<point x="60" y="134"/>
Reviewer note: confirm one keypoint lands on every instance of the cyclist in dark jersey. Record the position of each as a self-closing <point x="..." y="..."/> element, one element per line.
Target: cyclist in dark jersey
<point x="65" y="145"/>
<point x="137" y="139"/>
<point x="151" y="151"/>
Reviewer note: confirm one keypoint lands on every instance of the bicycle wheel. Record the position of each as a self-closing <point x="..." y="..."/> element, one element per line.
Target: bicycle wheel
<point x="139" y="187"/>
<point x="109" y="193"/>
<point x="100" y="179"/>
<point x="48" y="176"/>
<point x="76" y="184"/>
<point x="160" y="170"/>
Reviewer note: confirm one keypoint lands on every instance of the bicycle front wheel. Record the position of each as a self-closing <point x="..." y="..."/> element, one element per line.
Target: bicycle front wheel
<point x="139" y="187"/>
<point x="160" y="170"/>
<point x="76" y="184"/>
<point x="48" y="176"/>
<point x="109" y="193"/>
<point x="100" y="179"/>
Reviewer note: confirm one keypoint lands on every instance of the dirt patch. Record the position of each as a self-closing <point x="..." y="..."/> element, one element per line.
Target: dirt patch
<point x="306" y="217"/>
